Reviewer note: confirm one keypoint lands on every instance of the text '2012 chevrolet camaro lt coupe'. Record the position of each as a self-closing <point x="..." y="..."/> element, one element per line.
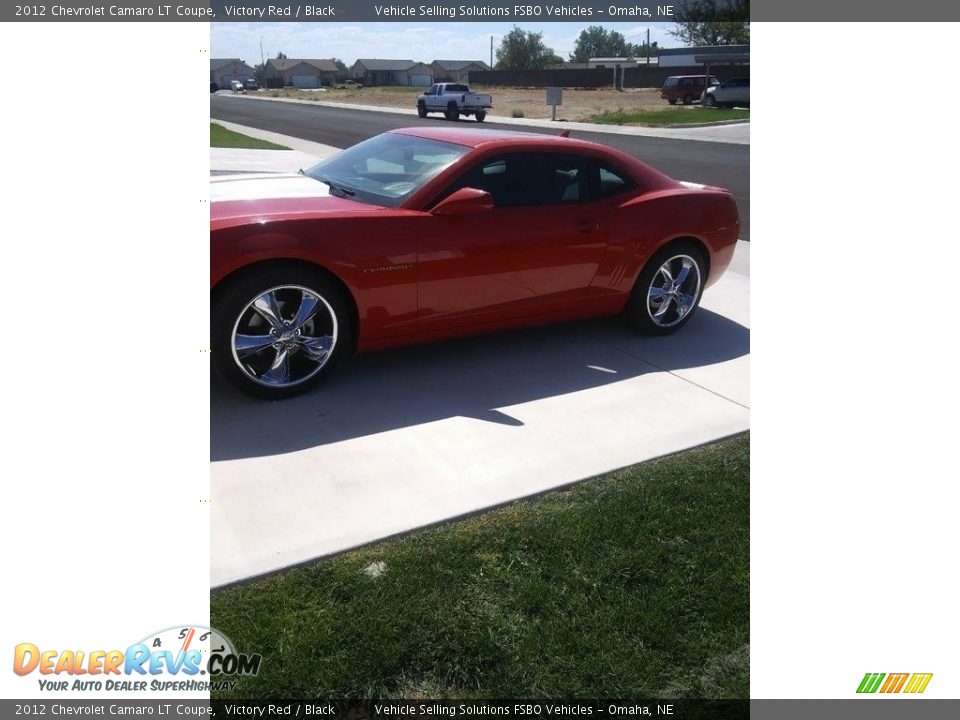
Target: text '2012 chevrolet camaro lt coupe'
<point x="421" y="234"/>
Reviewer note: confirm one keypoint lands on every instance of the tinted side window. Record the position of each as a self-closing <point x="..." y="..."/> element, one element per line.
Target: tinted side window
<point x="522" y="180"/>
<point x="558" y="179"/>
<point x="612" y="183"/>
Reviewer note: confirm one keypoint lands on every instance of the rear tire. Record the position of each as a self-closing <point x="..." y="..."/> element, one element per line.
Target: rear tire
<point x="709" y="101"/>
<point x="687" y="99"/>
<point x="271" y="354"/>
<point x="668" y="290"/>
<point x="672" y="101"/>
<point x="481" y="116"/>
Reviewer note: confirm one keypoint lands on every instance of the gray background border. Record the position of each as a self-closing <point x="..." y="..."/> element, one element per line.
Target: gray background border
<point x="363" y="10"/>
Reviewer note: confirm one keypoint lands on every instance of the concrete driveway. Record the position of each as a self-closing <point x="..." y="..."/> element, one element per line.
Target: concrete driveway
<point x="401" y="439"/>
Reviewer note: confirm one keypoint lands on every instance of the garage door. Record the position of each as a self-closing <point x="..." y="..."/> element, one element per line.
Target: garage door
<point x="421" y="80"/>
<point x="306" y="81"/>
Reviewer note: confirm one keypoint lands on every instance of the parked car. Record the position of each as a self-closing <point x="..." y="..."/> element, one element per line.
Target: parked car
<point x="251" y="84"/>
<point x="236" y="86"/>
<point x="684" y="88"/>
<point x="349" y="85"/>
<point x="732" y="92"/>
<point x="214" y="87"/>
<point x="427" y="233"/>
<point x="453" y="100"/>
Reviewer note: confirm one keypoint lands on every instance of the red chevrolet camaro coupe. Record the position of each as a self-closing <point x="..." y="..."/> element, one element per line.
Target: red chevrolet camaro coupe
<point x="427" y="233"/>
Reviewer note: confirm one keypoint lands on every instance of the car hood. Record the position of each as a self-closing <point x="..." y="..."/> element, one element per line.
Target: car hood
<point x="260" y="197"/>
<point x="262" y="186"/>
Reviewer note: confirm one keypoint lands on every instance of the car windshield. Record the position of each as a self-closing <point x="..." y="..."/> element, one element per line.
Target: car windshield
<point x="386" y="169"/>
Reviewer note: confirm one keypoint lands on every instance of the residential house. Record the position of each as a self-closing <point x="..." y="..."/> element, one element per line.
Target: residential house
<point x="391" y="72"/>
<point x="456" y="70"/>
<point x="223" y="70"/>
<point x="301" y="73"/>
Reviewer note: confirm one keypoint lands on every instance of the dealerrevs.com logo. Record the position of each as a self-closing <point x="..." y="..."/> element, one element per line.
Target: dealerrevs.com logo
<point x="181" y="659"/>
<point x="910" y="683"/>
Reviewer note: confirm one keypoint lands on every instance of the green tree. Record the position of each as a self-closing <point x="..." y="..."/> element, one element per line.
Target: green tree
<point x="524" y="50"/>
<point x="712" y="22"/>
<point x="341" y="65"/>
<point x="597" y="41"/>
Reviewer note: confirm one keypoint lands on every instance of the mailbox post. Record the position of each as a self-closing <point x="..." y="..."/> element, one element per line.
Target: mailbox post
<point x="554" y="98"/>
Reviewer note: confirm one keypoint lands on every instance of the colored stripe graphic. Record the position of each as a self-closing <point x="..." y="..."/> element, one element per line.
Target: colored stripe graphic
<point x="894" y="682"/>
<point x="870" y="682"/>
<point x="918" y="682"/>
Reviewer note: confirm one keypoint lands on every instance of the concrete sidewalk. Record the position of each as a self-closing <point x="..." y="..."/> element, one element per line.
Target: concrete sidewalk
<point x="402" y="439"/>
<point x="738" y="133"/>
<point x="302" y="153"/>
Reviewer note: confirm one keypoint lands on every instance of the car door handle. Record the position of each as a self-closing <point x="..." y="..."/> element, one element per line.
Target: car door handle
<point x="587" y="226"/>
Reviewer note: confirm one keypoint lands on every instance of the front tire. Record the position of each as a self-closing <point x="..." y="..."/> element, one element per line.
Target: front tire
<point x="421" y="110"/>
<point x="668" y="291"/>
<point x="277" y="331"/>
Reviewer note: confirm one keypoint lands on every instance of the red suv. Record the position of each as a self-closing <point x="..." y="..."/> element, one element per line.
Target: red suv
<point x="684" y="88"/>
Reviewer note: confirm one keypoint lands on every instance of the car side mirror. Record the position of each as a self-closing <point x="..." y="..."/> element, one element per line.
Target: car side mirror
<point x="463" y="201"/>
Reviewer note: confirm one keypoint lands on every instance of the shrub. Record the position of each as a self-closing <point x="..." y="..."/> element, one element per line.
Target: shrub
<point x="516" y="113"/>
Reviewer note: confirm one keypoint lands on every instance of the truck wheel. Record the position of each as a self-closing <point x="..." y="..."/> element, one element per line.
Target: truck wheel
<point x="421" y="110"/>
<point x="481" y="115"/>
<point x="672" y="101"/>
<point x="453" y="112"/>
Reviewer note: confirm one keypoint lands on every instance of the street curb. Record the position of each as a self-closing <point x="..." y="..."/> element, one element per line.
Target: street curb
<point x="715" y="123"/>
<point x="667" y="133"/>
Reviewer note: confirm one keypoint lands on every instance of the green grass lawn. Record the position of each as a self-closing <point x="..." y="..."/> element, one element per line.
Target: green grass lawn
<point x="670" y="116"/>
<point x="221" y="137"/>
<point x="633" y="584"/>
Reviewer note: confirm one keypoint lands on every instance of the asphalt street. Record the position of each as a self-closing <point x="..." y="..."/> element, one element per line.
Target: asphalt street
<point x="722" y="164"/>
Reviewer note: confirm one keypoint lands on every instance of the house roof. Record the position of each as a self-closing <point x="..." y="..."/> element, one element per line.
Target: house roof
<point x="284" y="64"/>
<point x="375" y="64"/>
<point x="217" y="63"/>
<point x="453" y="65"/>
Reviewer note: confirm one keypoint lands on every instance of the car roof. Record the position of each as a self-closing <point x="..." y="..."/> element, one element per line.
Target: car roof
<point x="475" y="138"/>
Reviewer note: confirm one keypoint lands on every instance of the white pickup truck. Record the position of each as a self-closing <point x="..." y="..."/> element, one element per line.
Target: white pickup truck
<point x="453" y="100"/>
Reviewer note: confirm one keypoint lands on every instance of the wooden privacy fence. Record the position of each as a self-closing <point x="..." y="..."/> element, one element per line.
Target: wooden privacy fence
<point x="642" y="76"/>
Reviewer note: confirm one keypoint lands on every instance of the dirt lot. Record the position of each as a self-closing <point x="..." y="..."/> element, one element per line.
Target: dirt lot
<point x="578" y="104"/>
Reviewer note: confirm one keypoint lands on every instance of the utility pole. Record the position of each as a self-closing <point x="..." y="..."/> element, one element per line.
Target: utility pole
<point x="263" y="67"/>
<point x="648" y="46"/>
<point x="491" y="52"/>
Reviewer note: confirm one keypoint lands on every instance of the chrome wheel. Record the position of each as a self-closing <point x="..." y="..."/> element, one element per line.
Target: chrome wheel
<point x="674" y="291"/>
<point x="284" y="336"/>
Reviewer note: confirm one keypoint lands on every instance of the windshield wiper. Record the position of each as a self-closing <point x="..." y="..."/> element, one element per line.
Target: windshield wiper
<point x="336" y="187"/>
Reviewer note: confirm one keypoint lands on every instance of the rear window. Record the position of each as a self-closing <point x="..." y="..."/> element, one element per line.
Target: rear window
<point x="457" y="88"/>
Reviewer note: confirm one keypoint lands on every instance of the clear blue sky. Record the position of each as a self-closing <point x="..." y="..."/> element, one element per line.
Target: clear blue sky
<point x="422" y="41"/>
